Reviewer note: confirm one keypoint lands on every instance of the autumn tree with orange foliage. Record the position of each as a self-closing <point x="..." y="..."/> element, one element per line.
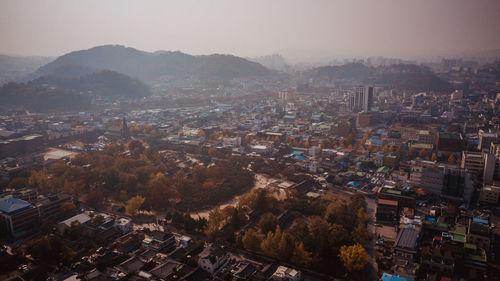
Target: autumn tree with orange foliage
<point x="354" y="257"/>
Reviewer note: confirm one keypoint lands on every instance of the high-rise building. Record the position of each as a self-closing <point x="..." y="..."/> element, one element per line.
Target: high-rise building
<point x="489" y="167"/>
<point x="361" y="99"/>
<point x="492" y="164"/>
<point x="125" y="131"/>
<point x="285" y="95"/>
<point x="485" y="139"/>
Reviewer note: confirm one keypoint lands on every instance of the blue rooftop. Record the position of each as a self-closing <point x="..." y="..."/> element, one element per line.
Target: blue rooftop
<point x="13" y="205"/>
<point x="389" y="277"/>
<point x="353" y="183"/>
<point x="478" y="220"/>
<point x="375" y="140"/>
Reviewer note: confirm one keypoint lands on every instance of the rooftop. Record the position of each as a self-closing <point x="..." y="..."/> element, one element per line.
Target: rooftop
<point x="407" y="239"/>
<point x="389" y="277"/>
<point x="13" y="205"/>
<point x="388" y="202"/>
<point x="81" y="218"/>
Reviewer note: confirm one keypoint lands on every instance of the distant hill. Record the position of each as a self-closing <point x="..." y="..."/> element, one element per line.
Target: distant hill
<point x="402" y="76"/>
<point x="357" y="71"/>
<point x="411" y="77"/>
<point x="42" y="99"/>
<point x="105" y="83"/>
<point x="71" y="71"/>
<point x="150" y="66"/>
<point x="14" y="68"/>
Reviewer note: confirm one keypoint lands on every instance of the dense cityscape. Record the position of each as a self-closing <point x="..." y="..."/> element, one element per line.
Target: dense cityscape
<point x="123" y="164"/>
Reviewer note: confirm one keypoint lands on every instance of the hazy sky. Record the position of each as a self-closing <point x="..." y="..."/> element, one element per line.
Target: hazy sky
<point x="253" y="27"/>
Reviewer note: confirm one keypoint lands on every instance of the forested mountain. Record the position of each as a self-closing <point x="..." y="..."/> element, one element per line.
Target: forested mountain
<point x="411" y="77"/>
<point x="357" y="71"/>
<point x="149" y="66"/>
<point x="402" y="76"/>
<point x="104" y="83"/>
<point x="42" y="99"/>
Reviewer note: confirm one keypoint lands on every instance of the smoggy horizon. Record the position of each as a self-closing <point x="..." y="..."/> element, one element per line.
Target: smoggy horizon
<point x="296" y="29"/>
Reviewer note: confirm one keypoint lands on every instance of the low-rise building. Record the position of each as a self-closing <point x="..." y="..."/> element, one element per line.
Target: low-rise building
<point x="212" y="257"/>
<point x="479" y="233"/>
<point x="404" y="198"/>
<point x="387" y="211"/>
<point x="129" y="241"/>
<point x="284" y="273"/>
<point x="406" y="245"/>
<point x="158" y="240"/>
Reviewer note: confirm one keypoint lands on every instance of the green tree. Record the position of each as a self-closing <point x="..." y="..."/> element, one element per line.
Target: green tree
<point x="67" y="209"/>
<point x="49" y="249"/>
<point x="338" y="237"/>
<point x="341" y="213"/>
<point x="319" y="230"/>
<point x="360" y="234"/>
<point x="357" y="202"/>
<point x="268" y="222"/>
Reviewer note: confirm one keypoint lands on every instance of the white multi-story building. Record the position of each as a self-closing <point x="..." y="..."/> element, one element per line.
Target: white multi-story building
<point x="212" y="258"/>
<point x="361" y="99"/>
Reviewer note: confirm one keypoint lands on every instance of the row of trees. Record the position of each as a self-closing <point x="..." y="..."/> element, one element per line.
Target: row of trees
<point x="425" y="154"/>
<point x="277" y="244"/>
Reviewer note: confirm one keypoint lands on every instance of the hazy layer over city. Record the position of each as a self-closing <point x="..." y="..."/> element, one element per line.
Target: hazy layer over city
<point x="296" y="29"/>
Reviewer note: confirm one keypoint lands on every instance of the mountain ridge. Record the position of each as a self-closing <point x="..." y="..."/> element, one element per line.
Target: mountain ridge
<point x="150" y="66"/>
